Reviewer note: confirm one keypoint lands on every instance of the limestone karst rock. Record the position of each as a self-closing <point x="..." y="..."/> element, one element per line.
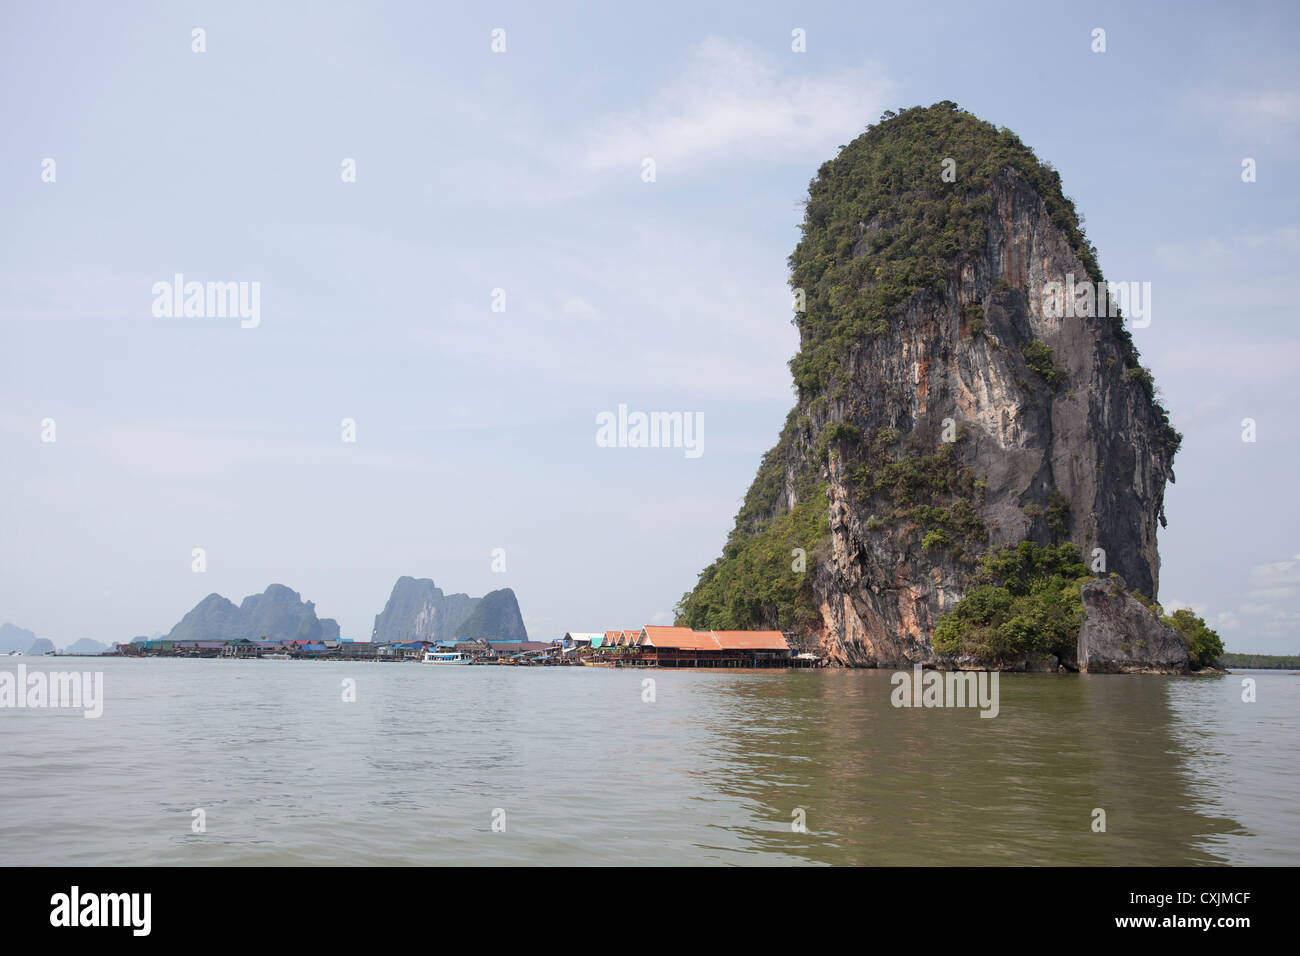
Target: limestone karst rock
<point x="956" y="392"/>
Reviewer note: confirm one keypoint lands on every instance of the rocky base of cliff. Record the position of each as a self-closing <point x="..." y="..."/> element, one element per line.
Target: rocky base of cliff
<point x="1120" y="635"/>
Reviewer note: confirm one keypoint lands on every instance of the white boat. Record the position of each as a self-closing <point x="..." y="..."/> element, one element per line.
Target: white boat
<point x="445" y="657"/>
<point x="276" y="657"/>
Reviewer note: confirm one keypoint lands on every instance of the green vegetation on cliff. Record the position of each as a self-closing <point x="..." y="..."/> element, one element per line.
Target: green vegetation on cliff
<point x="933" y="494"/>
<point x="884" y="196"/>
<point x="760" y="580"/>
<point x="1025" y="603"/>
<point x="882" y="224"/>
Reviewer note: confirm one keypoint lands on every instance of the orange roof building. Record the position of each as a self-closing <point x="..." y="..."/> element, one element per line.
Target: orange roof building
<point x="677" y="638"/>
<point x="751" y="640"/>
<point x="701" y="645"/>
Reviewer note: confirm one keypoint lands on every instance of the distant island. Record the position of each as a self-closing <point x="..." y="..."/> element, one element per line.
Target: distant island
<point x="1260" y="661"/>
<point x="278" y="613"/>
<point x="417" y="611"/>
<point x="17" y="640"/>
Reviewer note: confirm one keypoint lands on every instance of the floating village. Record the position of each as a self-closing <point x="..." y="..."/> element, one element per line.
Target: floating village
<point x="650" y="646"/>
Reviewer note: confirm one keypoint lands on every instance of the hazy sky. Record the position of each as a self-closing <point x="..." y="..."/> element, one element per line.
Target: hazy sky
<point x="522" y="171"/>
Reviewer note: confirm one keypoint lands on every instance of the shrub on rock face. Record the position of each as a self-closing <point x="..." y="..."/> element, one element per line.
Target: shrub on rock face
<point x="1040" y="358"/>
<point x="935" y="539"/>
<point x="1026" y="604"/>
<point x="1204" y="647"/>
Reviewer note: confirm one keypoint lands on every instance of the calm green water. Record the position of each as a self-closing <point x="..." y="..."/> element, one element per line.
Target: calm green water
<point x="586" y="772"/>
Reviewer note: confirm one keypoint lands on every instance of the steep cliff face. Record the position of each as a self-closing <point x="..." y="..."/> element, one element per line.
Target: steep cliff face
<point x="950" y="401"/>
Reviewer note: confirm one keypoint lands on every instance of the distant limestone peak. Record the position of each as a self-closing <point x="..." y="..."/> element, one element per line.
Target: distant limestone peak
<point x="278" y="614"/>
<point x="418" y="610"/>
<point x="496" y="618"/>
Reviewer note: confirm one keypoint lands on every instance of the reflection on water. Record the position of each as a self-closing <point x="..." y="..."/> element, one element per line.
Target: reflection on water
<point x="585" y="771"/>
<point x="943" y="786"/>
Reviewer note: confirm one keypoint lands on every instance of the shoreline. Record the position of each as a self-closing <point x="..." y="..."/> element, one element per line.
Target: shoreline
<point x="628" y="665"/>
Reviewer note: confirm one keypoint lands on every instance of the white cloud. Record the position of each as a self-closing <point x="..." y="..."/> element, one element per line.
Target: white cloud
<point x="1215" y="256"/>
<point x="1262" y="116"/>
<point x="1276" y="574"/>
<point x="579" y="307"/>
<point x="1271" y="607"/>
<point x="1224" y="621"/>
<point x="1232" y="302"/>
<point x="1178" y="604"/>
<point x="1271" y="112"/>
<point x="726" y="102"/>
<point x="730" y="101"/>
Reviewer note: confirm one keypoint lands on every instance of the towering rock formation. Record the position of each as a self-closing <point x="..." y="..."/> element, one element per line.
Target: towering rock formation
<point x="278" y="614"/>
<point x="951" y="399"/>
<point x="417" y="610"/>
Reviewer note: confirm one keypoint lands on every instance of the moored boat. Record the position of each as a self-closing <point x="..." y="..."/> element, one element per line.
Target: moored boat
<point x="445" y="657"/>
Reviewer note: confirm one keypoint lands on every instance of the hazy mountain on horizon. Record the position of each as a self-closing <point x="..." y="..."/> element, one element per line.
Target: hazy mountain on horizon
<point x="85" y="645"/>
<point x="278" y="614"/>
<point x="15" y="638"/>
